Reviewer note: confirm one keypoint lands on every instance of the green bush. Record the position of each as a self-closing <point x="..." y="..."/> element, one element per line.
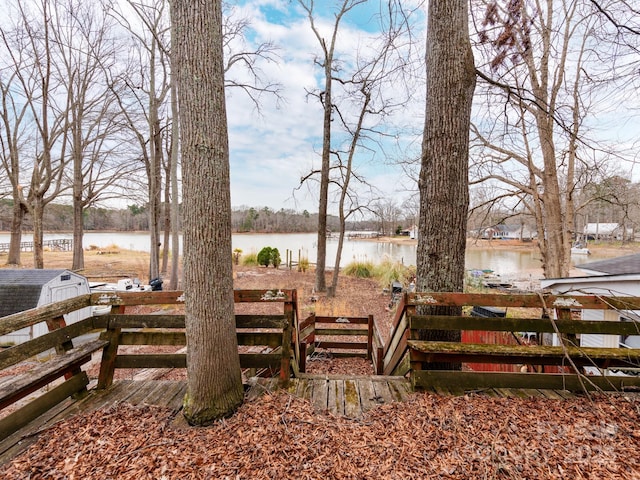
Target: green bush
<point x="264" y="256"/>
<point x="269" y="256"/>
<point x="275" y="257"/>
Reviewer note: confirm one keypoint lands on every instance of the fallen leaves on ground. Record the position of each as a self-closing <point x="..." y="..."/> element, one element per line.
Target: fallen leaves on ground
<point x="319" y="364"/>
<point x="279" y="436"/>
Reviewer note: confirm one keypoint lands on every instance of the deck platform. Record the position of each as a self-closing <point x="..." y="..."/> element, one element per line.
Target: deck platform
<point x="340" y="395"/>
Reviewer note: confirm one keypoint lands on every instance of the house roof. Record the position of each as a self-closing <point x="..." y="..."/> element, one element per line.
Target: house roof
<point x="613" y="266"/>
<point x="617" y="285"/>
<point x="20" y="289"/>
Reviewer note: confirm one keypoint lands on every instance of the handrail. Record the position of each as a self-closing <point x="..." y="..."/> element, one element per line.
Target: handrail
<point x="405" y="352"/>
<point x="256" y="330"/>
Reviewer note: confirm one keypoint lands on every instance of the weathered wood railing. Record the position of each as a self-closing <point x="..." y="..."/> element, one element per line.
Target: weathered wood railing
<point x="65" y="353"/>
<point x="319" y="332"/>
<point x="69" y="347"/>
<point x="271" y="332"/>
<point x="406" y="353"/>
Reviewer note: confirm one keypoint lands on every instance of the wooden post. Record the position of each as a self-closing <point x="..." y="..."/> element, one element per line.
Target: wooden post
<point x="370" y="337"/>
<point x="285" y="363"/>
<point x="380" y="361"/>
<point x="110" y="352"/>
<point x="55" y="324"/>
<point x="302" y="360"/>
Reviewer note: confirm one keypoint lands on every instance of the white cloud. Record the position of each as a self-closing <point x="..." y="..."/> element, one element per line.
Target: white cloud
<point x="273" y="148"/>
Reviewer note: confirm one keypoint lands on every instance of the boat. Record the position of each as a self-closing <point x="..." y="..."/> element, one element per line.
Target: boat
<point x="122" y="285"/>
<point x="580" y="250"/>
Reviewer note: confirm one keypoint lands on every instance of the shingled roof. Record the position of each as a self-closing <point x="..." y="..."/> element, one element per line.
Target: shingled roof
<point x="614" y="266"/>
<point x="20" y="289"/>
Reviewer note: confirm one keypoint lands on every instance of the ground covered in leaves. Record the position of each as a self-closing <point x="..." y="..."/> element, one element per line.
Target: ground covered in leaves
<point x="279" y="436"/>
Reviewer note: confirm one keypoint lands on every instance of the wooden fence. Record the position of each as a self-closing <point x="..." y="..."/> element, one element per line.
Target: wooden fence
<point x="56" y="245"/>
<point x="278" y="343"/>
<point x="336" y="336"/>
<point x="59" y="376"/>
<point x="406" y="353"/>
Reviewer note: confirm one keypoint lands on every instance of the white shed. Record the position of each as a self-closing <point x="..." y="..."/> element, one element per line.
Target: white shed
<point x="618" y="277"/>
<point x="23" y="289"/>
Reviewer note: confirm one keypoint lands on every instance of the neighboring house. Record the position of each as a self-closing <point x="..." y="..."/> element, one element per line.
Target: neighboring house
<point x="23" y="289"/>
<point x="613" y="277"/>
<point x="606" y="231"/>
<point x="507" y="232"/>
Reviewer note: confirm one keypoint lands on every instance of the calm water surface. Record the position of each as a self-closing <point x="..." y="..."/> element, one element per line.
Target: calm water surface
<point x="509" y="264"/>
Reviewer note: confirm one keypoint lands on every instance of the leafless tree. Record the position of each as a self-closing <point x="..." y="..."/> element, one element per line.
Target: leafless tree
<point x="146" y="102"/>
<point x="326" y="62"/>
<point x="30" y="56"/>
<point x="214" y="385"/>
<point x="85" y="56"/>
<point x="544" y="80"/>
<point x="12" y="145"/>
<point x="372" y="92"/>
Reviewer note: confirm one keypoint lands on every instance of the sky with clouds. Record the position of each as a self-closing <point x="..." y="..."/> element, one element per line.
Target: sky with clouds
<point x="273" y="147"/>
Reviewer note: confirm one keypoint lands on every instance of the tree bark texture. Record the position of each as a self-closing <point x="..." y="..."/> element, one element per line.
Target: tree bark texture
<point x="443" y="182"/>
<point x="16" y="231"/>
<point x="321" y="259"/>
<point x="213" y="366"/>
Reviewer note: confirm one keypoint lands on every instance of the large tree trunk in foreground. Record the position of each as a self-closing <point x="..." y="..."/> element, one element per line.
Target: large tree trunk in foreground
<point x="214" y="387"/>
<point x="443" y="184"/>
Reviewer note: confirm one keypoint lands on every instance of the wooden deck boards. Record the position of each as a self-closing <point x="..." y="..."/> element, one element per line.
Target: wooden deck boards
<point x="341" y="395"/>
<point x="346" y="396"/>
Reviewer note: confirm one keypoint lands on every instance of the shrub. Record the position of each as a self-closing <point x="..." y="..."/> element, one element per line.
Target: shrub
<point x="303" y="264"/>
<point x="264" y="256"/>
<point x="269" y="256"/>
<point x="275" y="257"/>
<point x="388" y="271"/>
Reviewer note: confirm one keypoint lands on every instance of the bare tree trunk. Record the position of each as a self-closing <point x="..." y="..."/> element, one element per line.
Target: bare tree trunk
<point x="175" y="201"/>
<point x="78" y="204"/>
<point x="37" y="213"/>
<point x="155" y="181"/>
<point x="443" y="183"/>
<point x="214" y="384"/>
<point x="321" y="259"/>
<point x="78" y="235"/>
<point x="16" y="232"/>
<point x="166" y="213"/>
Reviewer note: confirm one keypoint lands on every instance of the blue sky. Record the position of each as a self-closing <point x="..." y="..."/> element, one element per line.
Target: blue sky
<point x="271" y="149"/>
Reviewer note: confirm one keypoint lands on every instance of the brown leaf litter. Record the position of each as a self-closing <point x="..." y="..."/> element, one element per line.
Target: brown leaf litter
<point x="279" y="436"/>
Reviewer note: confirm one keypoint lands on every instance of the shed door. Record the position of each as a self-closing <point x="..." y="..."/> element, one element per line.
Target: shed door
<point x="63" y="291"/>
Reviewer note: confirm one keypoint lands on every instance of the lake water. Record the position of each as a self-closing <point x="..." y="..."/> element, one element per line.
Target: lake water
<point x="510" y="264"/>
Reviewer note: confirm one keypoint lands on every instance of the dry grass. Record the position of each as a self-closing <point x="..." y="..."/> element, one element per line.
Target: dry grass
<point x="108" y="264"/>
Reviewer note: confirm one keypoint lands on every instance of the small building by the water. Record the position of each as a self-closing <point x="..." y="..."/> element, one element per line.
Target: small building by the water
<point x="24" y="289"/>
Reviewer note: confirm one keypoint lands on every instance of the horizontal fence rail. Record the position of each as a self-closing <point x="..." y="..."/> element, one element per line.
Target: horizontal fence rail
<point x="559" y="363"/>
<point x="265" y="345"/>
<point x="341" y="336"/>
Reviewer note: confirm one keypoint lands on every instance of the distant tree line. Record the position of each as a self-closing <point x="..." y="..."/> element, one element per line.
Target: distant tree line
<point x="59" y="218"/>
